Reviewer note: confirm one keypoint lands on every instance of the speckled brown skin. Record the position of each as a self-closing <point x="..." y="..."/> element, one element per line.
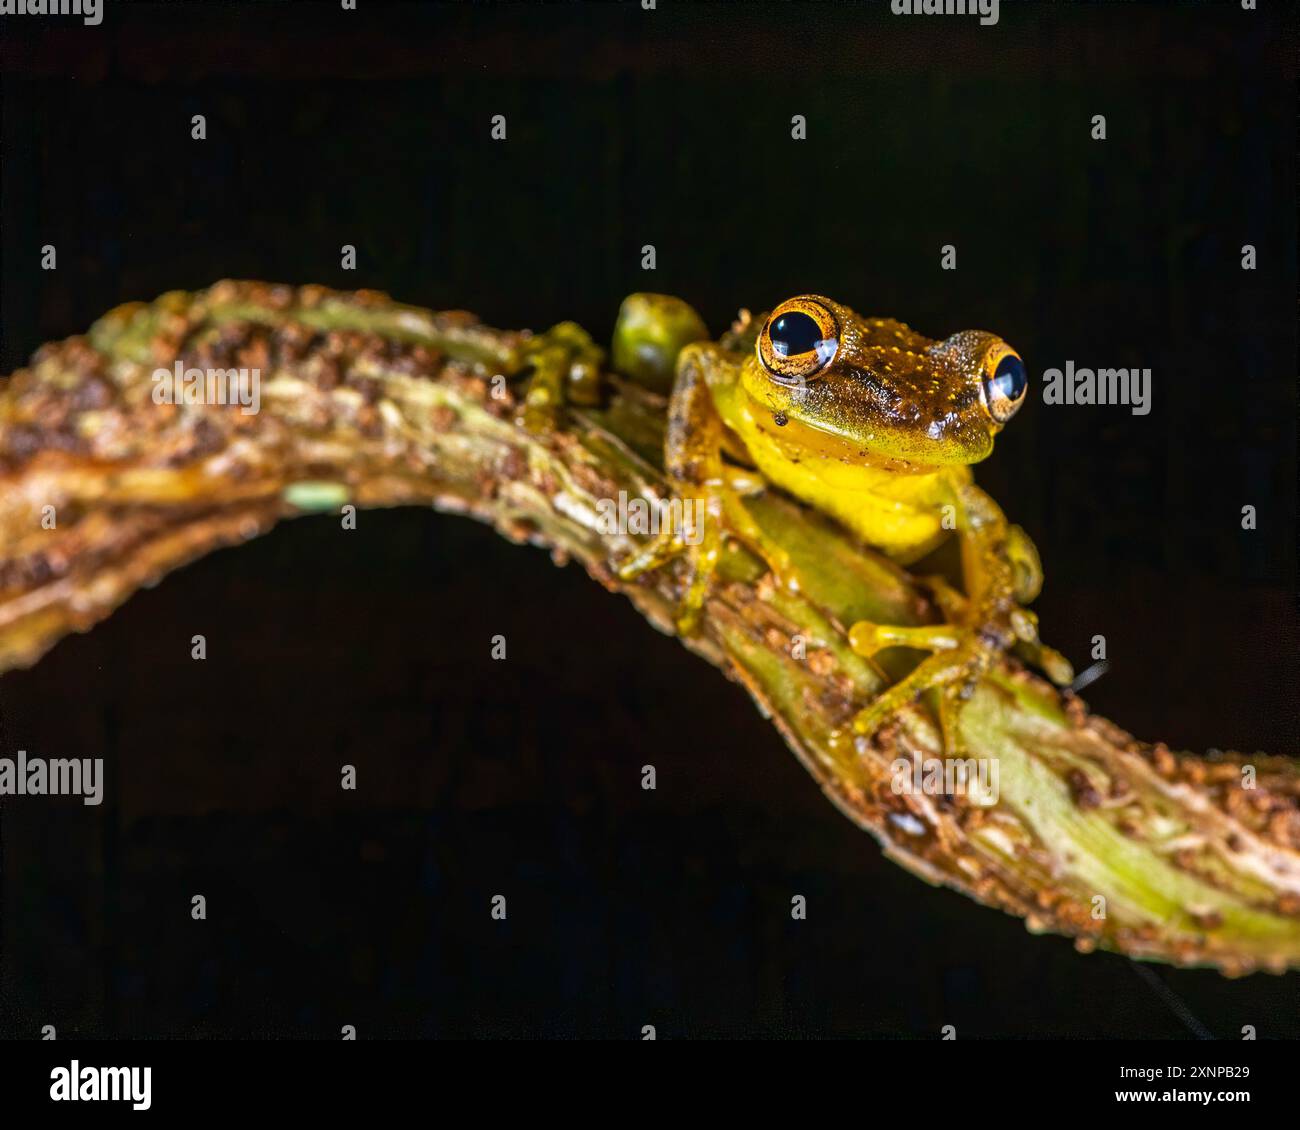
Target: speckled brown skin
<point x="889" y="398"/>
<point x="395" y="405"/>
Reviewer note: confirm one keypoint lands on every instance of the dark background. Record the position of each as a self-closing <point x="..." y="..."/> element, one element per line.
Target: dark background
<point x="521" y="777"/>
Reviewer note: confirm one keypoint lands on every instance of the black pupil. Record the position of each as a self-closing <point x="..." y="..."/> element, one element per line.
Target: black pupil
<point x="794" y="333"/>
<point x="1010" y="379"/>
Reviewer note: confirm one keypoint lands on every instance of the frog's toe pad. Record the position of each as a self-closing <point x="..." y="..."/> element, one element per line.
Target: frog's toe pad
<point x="864" y="638"/>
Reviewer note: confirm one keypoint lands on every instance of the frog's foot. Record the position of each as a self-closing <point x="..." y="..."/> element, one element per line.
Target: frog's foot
<point x="954" y="605"/>
<point x="1031" y="649"/>
<point x="708" y="518"/>
<point x="565" y="368"/>
<point x="962" y="654"/>
<point x="953" y="670"/>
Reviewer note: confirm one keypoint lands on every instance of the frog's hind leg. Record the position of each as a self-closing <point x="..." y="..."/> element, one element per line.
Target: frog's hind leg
<point x="998" y="569"/>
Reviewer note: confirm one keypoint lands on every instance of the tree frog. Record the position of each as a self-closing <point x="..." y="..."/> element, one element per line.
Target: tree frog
<point x="870" y="423"/>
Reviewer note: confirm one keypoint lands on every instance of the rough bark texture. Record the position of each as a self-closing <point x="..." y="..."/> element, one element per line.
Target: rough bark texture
<point x="1114" y="842"/>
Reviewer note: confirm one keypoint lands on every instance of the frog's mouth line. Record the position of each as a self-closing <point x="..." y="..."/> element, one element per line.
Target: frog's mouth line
<point x="809" y="415"/>
<point x="806" y="440"/>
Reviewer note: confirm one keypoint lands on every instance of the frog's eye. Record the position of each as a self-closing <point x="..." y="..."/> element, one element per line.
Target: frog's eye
<point x="799" y="340"/>
<point x="1004" y="385"/>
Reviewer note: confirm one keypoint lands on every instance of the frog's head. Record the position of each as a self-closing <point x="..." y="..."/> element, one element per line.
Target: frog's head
<point x="872" y="389"/>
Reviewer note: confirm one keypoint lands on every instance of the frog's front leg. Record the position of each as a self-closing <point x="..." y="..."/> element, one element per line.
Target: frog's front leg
<point x="998" y="571"/>
<point x="954" y="606"/>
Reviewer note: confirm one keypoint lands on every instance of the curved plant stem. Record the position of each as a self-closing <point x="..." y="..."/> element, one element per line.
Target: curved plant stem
<point x="367" y="402"/>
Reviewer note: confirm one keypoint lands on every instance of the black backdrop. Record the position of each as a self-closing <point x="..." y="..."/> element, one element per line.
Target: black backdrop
<point x="626" y="127"/>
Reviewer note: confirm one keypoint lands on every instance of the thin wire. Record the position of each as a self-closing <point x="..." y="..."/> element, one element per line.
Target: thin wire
<point x="1176" y="1004"/>
<point x="1091" y="675"/>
